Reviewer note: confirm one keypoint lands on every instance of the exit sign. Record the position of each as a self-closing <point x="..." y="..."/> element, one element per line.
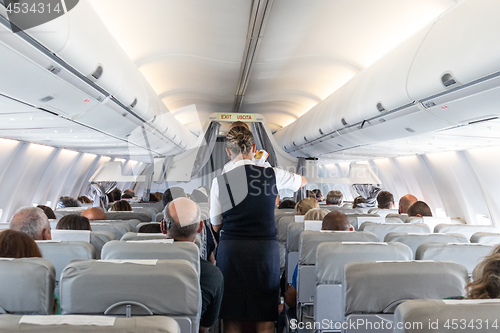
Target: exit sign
<point x="236" y="117"/>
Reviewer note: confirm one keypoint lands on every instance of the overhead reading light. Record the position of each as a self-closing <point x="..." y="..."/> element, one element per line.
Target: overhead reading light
<point x="410" y="130"/>
<point x="448" y="80"/>
<point x="134" y="103"/>
<point x="320" y="131"/>
<point x="380" y="107"/>
<point x="98" y="72"/>
<point x="46" y="99"/>
<point x="344" y="122"/>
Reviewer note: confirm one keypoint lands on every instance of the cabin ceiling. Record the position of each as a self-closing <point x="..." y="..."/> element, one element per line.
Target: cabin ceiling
<point x="191" y="51"/>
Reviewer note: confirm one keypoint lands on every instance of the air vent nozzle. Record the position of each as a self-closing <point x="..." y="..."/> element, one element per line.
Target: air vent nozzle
<point x="410" y="130"/>
<point x="98" y="72"/>
<point x="448" y="80"/>
<point x="380" y="107"/>
<point x="320" y="131"/>
<point x="134" y="103"/>
<point x="344" y="122"/>
<point x="46" y="99"/>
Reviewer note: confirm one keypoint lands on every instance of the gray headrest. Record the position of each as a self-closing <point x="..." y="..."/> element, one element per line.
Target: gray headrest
<point x="152" y="324"/>
<point x="143" y="217"/>
<point x="332" y="257"/>
<point x="162" y="251"/>
<point x="309" y="241"/>
<point x="403" y="217"/>
<point x="468" y="255"/>
<point x="485" y="238"/>
<point x="415" y="240"/>
<point x="118" y="229"/>
<point x="283" y="226"/>
<point x="60" y="254"/>
<point x="377" y="287"/>
<point x="293" y="235"/>
<point x="98" y="239"/>
<point x="382" y="212"/>
<point x="132" y="223"/>
<point x="159" y="216"/>
<point x="131" y="236"/>
<point x="168" y="287"/>
<point x="27" y="286"/>
<point x="464" y="229"/>
<point x="479" y="312"/>
<point x="382" y="229"/>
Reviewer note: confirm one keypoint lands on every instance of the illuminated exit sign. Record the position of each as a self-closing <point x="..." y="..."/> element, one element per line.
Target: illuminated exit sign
<point x="236" y="117"/>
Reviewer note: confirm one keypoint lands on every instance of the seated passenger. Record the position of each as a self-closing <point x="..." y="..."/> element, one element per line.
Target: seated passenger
<point x="84" y="199"/>
<point x="48" y="211"/>
<point x="315" y="214"/>
<point x="150" y="228"/>
<point x="287" y="204"/>
<point x="32" y="221"/>
<point x="385" y="200"/>
<point x="171" y="194"/>
<point x="334" y="198"/>
<point x="129" y="192"/>
<point x="158" y="196"/>
<point x="17" y="244"/>
<point x="121" y="206"/>
<point x="126" y="196"/>
<point x="487" y="286"/>
<point x="303" y="206"/>
<point x="73" y="222"/>
<point x="318" y="194"/>
<point x="94" y="213"/>
<point x="117" y="194"/>
<point x="183" y="221"/>
<point x="405" y="202"/>
<point x="358" y="201"/>
<point x="67" y="202"/>
<point x="332" y="221"/>
<point x="310" y="194"/>
<point x="153" y="198"/>
<point x="419" y="209"/>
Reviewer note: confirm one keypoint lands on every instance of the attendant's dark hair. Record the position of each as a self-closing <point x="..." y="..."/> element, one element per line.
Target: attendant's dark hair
<point x="17" y="244"/>
<point x="240" y="140"/>
<point x="121" y="206"/>
<point x="48" y="211"/>
<point x="73" y="222"/>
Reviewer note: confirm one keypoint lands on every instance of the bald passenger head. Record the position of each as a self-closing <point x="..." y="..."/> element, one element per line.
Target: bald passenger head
<point x="336" y="221"/>
<point x="237" y="124"/>
<point x="405" y="202"/>
<point x="419" y="209"/>
<point x="183" y="217"/>
<point x="32" y="221"/>
<point x="94" y="213"/>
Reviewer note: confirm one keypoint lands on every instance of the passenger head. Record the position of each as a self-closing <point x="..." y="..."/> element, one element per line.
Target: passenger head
<point x="153" y="198"/>
<point x="73" y="222"/>
<point x="238" y="124"/>
<point x="286" y="204"/>
<point x="94" y="213"/>
<point x="419" y="209"/>
<point x="117" y="194"/>
<point x="478" y="270"/>
<point x="84" y="199"/>
<point x="32" y="221"/>
<point x="488" y="284"/>
<point x="110" y="197"/>
<point x="405" y="202"/>
<point x="158" y="196"/>
<point x="121" y="206"/>
<point x="183" y="219"/>
<point x="318" y="194"/>
<point x="310" y="194"/>
<point x="334" y="198"/>
<point x="199" y="197"/>
<point x="315" y="214"/>
<point x="17" y="244"/>
<point x="150" y="228"/>
<point x="126" y="196"/>
<point x="239" y="140"/>
<point x="357" y="201"/>
<point x="48" y="211"/>
<point x="129" y="192"/>
<point x="303" y="206"/>
<point x="171" y="194"/>
<point x="385" y="200"/>
<point x="67" y="202"/>
<point x="336" y="221"/>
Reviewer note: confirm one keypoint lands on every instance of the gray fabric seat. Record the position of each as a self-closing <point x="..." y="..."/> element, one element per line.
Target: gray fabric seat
<point x="465" y="229"/>
<point x="292" y="248"/>
<point x="371" y="295"/>
<point x="403" y="217"/>
<point x="159" y="216"/>
<point x="356" y="220"/>
<point x="481" y="312"/>
<point x="133" y="236"/>
<point x="432" y="221"/>
<point x="308" y="243"/>
<point x="415" y="240"/>
<point x="485" y="238"/>
<point x="130" y="250"/>
<point x="468" y="255"/>
<point x="330" y="261"/>
<point x="382" y="229"/>
<point x="118" y="229"/>
<point x="98" y="239"/>
<point x="27" y="286"/>
<point x="159" y="287"/>
<point x="60" y="254"/>
<point x="283" y="223"/>
<point x="382" y="212"/>
<point x="132" y="223"/>
<point x="143" y="217"/>
<point x="152" y="324"/>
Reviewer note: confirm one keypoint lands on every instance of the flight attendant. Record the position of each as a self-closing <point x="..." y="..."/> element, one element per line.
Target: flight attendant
<point x="242" y="207"/>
